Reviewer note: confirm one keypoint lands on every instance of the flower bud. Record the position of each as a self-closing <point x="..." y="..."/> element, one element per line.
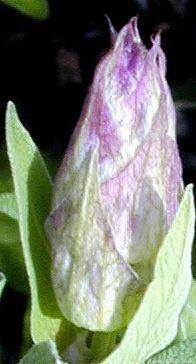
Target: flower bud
<point x="117" y="191"/>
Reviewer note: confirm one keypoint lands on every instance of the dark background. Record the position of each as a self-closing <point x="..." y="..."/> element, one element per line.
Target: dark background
<point x="46" y="68"/>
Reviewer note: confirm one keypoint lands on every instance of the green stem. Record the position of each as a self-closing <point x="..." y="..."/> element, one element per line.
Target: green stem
<point x="102" y="345"/>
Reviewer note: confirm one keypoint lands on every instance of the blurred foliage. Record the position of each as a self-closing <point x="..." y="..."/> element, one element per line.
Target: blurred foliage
<point x="11" y="256"/>
<point x="184" y="95"/>
<point x="38" y="9"/>
<point x="2" y="282"/>
<point x="6" y="184"/>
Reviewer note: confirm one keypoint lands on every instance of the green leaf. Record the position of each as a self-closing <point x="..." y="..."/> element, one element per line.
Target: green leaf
<point x="8" y="205"/>
<point x="154" y="325"/>
<point x="6" y="184"/>
<point x="32" y="186"/>
<point x="44" y="353"/>
<point x="38" y="9"/>
<point x="11" y="256"/>
<point x="2" y="283"/>
<point x="181" y="353"/>
<point x="187" y="321"/>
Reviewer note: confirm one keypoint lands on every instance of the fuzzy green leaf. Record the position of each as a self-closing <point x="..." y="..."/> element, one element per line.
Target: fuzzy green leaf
<point x="32" y="186"/>
<point x="155" y="324"/>
<point x="187" y="321"/>
<point x="181" y="353"/>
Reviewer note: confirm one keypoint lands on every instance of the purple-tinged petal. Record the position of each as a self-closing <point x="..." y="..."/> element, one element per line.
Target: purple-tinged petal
<point x="129" y="119"/>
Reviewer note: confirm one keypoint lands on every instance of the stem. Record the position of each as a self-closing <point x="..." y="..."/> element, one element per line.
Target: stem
<point x="102" y="344"/>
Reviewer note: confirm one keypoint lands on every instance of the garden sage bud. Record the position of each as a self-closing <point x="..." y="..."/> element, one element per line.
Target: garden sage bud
<point x="117" y="191"/>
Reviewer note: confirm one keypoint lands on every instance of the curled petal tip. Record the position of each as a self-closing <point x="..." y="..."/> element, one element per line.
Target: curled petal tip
<point x="113" y="32"/>
<point x="134" y="30"/>
<point x="157" y="52"/>
<point x="156" y="39"/>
